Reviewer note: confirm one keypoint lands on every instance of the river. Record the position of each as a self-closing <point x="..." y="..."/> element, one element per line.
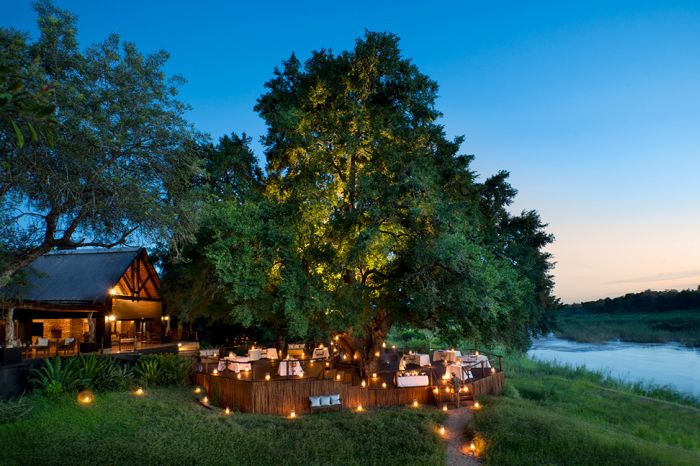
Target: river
<point x="659" y="364"/>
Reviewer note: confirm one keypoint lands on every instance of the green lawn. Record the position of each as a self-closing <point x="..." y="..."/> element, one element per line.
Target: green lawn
<point x="554" y="415"/>
<point x="659" y="327"/>
<point x="168" y="427"/>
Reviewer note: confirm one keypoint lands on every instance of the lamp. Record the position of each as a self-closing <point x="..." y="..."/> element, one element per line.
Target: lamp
<point x="364" y="384"/>
<point x="139" y="391"/>
<point x="85" y="397"/>
<point x="415" y="403"/>
<point x="383" y="384"/>
<point x="267" y="376"/>
<point x="292" y="415"/>
<point x="197" y="390"/>
<point x="359" y="408"/>
<point x="337" y="377"/>
<point x="205" y="400"/>
<point x="477" y="405"/>
<point x="227" y="411"/>
<point x="444" y="408"/>
<point x="442" y="430"/>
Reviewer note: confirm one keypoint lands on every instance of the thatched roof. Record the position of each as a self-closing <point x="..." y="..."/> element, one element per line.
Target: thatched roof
<point x="76" y="276"/>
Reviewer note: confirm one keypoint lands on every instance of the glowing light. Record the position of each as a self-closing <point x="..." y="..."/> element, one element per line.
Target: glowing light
<point x="337" y="338"/>
<point x="301" y="375"/>
<point x="112" y="318"/>
<point x="415" y="403"/>
<point x="493" y="370"/>
<point x="359" y="408"/>
<point x="85" y="397"/>
<point x="267" y="376"/>
<point x="205" y="400"/>
<point x="215" y="372"/>
<point x="383" y="384"/>
<point x="230" y="355"/>
<point x="345" y="357"/>
<point x="374" y="375"/>
<point x="113" y="291"/>
<point x="472" y="448"/>
<point x="377" y="354"/>
<point x="477" y="353"/>
<point x="238" y="376"/>
<point x="320" y="345"/>
<point x="477" y="405"/>
<point x="139" y="391"/>
<point x="227" y="411"/>
<point x="444" y="408"/>
<point x="337" y="377"/>
<point x="436" y="390"/>
<point x="383" y="345"/>
<point x="442" y="430"/>
<point x="393" y="346"/>
<point x="292" y="415"/>
<point x="197" y="391"/>
<point x="328" y="364"/>
<point x="364" y="384"/>
<point x="179" y="345"/>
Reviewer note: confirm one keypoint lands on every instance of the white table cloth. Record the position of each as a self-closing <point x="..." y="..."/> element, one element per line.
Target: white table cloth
<point x="418" y="359"/>
<point x="270" y="353"/>
<point x="254" y="354"/>
<point x="446" y="355"/>
<point x="238" y="364"/>
<point x="473" y="360"/>
<point x="412" y="381"/>
<point x="290" y="367"/>
<point x="321" y="353"/>
<point x="456" y="369"/>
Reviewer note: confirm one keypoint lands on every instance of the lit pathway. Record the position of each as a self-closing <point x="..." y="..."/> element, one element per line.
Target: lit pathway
<point x="455" y="426"/>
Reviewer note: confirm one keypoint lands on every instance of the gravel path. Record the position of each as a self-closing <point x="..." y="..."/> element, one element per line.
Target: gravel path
<point x="455" y="426"/>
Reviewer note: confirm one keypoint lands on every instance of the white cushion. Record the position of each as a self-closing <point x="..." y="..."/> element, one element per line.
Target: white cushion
<point x="325" y="400"/>
<point x="335" y="399"/>
<point x="315" y="401"/>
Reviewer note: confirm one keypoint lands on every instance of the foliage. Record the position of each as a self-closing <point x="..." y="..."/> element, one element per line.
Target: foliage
<point x="103" y="373"/>
<point x="163" y="369"/>
<point x="13" y="410"/>
<point x="168" y="426"/>
<point x="637" y="303"/>
<point x="368" y="216"/>
<point x="56" y="376"/>
<point x="559" y="415"/>
<point x="123" y="157"/>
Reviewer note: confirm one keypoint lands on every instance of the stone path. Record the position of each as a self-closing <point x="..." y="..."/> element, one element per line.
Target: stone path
<point x="455" y="426"/>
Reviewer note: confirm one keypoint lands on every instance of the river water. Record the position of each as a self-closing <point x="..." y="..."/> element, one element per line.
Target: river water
<point x="659" y="364"/>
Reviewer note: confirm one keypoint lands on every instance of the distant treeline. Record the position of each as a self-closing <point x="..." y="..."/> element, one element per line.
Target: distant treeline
<point x="646" y="301"/>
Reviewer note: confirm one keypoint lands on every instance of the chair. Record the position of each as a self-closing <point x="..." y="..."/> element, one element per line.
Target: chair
<point x="42" y="344"/>
<point x="66" y="345"/>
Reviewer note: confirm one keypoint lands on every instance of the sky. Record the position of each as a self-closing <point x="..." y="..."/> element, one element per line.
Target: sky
<point x="594" y="108"/>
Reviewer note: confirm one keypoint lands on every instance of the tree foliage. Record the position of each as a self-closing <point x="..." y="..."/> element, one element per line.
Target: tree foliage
<point x="368" y="216"/>
<point x="123" y="155"/>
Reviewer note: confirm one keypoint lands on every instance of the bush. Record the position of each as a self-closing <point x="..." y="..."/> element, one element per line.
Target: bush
<point x="164" y="369"/>
<point x="55" y="376"/>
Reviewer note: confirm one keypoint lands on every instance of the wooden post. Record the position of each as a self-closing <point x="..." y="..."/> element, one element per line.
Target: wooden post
<point x="9" y="328"/>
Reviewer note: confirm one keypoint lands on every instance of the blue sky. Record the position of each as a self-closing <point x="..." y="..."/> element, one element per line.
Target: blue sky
<point x="593" y="108"/>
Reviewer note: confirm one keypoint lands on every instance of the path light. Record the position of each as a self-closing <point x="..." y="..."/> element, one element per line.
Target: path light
<point x="197" y="390"/>
<point x="139" y="391"/>
<point x="415" y="403"/>
<point x="377" y="354"/>
<point x="215" y="372"/>
<point x="227" y="411"/>
<point x="442" y="430"/>
<point x="293" y="415"/>
<point x="472" y="448"/>
<point x="363" y="384"/>
<point x="205" y="400"/>
<point x="337" y="377"/>
<point x="444" y="408"/>
<point x="359" y="408"/>
<point x="383" y="384"/>
<point x="85" y="397"/>
<point x="436" y="390"/>
<point x="477" y="405"/>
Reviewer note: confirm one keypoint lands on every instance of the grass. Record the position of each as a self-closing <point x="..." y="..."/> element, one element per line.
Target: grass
<point x="168" y="427"/>
<point x="661" y="327"/>
<point x="552" y="415"/>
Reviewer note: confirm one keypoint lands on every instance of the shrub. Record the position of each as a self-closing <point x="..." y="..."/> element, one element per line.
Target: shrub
<point x="91" y="370"/>
<point x="148" y="371"/>
<point x="164" y="369"/>
<point x="13" y="410"/>
<point x="55" y="376"/>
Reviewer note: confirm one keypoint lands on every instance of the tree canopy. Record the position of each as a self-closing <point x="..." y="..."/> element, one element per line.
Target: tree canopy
<point x="122" y="158"/>
<point x="367" y="216"/>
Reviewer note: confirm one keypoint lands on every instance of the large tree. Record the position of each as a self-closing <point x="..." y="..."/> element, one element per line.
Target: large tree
<point x="122" y="158"/>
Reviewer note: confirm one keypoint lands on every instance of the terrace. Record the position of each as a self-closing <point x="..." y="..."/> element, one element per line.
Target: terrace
<point x="260" y="382"/>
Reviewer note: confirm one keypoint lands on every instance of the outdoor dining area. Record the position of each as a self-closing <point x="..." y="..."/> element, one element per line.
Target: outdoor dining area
<point x="265" y="379"/>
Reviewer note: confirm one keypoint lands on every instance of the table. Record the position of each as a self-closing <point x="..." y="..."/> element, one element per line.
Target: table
<point x="289" y="367"/>
<point x="412" y="381"/>
<point x="446" y="355"/>
<point x="254" y="354"/>
<point x="320" y="353"/>
<point x="237" y="364"/>
<point x="473" y="360"/>
<point x="270" y="353"/>
<point x="421" y="360"/>
<point x="456" y="369"/>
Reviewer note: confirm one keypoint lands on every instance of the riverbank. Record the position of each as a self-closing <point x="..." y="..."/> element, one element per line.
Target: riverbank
<point x="551" y="414"/>
<point x="644" y="327"/>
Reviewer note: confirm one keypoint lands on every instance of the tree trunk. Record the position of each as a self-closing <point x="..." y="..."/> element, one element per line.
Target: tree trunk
<point x="91" y="328"/>
<point x="10" y="328"/>
<point x="368" y="342"/>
